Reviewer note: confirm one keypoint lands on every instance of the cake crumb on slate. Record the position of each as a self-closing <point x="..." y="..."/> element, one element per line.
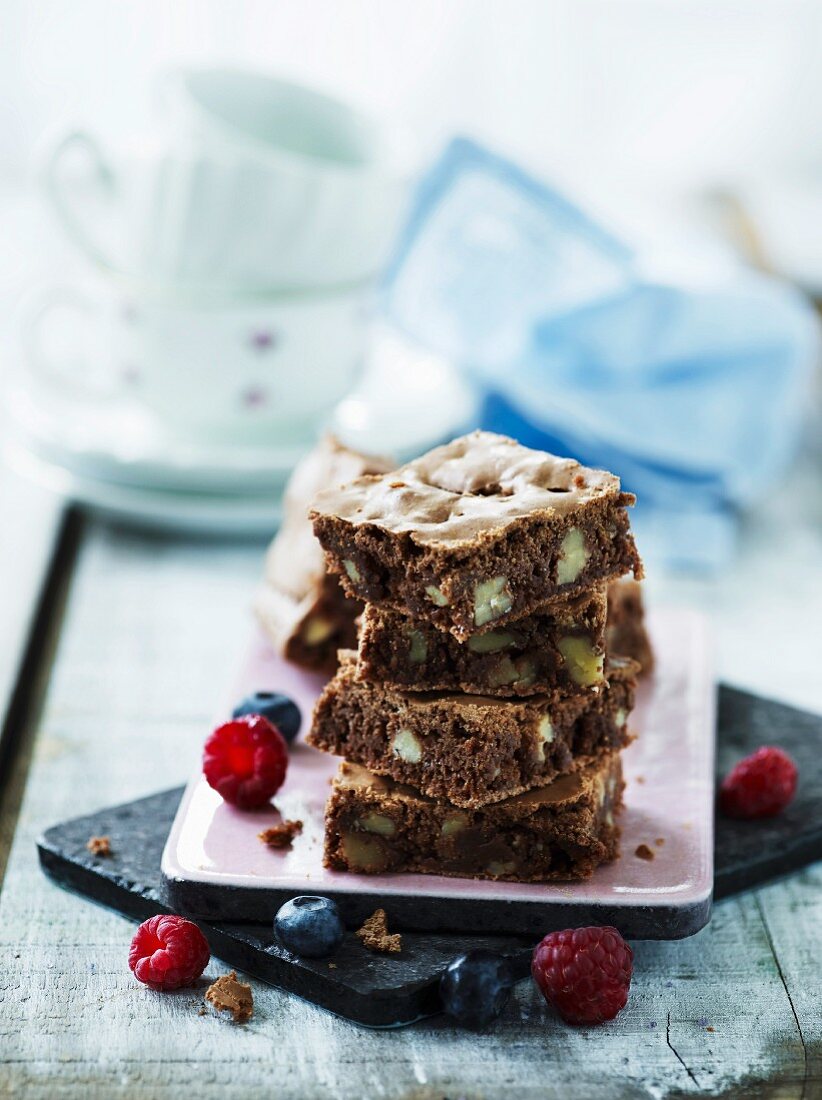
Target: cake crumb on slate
<point x="374" y="934"/>
<point x="644" y="852"/>
<point x="282" y="835"/>
<point x="99" y="846"/>
<point x="229" y="994"/>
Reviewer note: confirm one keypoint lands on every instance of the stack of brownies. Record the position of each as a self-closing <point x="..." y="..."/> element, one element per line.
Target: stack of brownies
<point x="480" y="720"/>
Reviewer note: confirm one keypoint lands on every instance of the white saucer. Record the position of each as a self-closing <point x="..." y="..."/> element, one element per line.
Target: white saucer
<point x="406" y="402"/>
<point x="168" y="510"/>
<point x="121" y="443"/>
<point x="118" y="460"/>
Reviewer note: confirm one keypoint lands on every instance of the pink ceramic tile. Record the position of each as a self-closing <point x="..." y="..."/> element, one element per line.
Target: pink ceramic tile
<point x="215" y="864"/>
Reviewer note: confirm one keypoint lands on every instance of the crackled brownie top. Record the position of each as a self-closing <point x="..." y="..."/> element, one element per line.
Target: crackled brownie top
<point x="471" y="487"/>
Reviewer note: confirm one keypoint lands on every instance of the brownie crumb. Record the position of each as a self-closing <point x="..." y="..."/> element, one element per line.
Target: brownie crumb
<point x="375" y="935"/>
<point x="99" y="846"/>
<point x="203" y="1011"/>
<point x="710" y="1029"/>
<point x="644" y="852"/>
<point x="282" y="835"/>
<point x="229" y="994"/>
<point x="660" y="840"/>
<point x="640" y="779"/>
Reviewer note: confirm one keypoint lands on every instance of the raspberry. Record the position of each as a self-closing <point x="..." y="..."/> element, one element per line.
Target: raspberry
<point x="761" y="785"/>
<point x="168" y="952"/>
<point x="245" y="761"/>
<point x="585" y="973"/>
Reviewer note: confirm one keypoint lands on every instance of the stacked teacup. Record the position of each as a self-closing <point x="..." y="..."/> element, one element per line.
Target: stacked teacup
<point x="239" y="251"/>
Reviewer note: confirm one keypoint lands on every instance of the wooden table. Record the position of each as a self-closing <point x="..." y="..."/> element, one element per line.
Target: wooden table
<point x="142" y="634"/>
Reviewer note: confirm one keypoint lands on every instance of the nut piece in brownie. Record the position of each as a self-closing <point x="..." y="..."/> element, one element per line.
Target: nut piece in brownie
<point x="559" y="648"/>
<point x="300" y="606"/>
<point x="626" y="635"/>
<point x="469" y="750"/>
<point x="477" y="533"/>
<point x="559" y="831"/>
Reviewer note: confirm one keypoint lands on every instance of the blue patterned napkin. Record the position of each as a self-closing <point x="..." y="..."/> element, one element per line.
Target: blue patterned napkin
<point x="689" y="386"/>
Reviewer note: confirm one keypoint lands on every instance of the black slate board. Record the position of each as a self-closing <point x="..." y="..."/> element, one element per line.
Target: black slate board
<point x="385" y="991"/>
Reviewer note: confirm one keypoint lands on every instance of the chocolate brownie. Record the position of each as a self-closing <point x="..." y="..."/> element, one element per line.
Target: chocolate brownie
<point x="626" y="635"/>
<point x="477" y="533"/>
<point x="309" y="632"/>
<point x="559" y="831"/>
<point x="301" y="607"/>
<point x="560" y="648"/>
<point x="468" y="749"/>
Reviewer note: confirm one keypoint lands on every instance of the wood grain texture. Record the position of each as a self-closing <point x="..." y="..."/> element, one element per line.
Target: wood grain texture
<point x="152" y="634"/>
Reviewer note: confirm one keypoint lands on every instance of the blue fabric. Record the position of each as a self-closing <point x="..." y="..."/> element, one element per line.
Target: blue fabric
<point x="690" y="387"/>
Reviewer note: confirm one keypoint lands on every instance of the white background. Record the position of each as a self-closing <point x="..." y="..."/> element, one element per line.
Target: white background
<point x="672" y="92"/>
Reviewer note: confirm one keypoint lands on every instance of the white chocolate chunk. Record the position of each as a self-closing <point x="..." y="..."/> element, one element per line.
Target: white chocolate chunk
<point x="364" y="852"/>
<point x="584" y="666"/>
<point x="492" y="598"/>
<point x="609" y="818"/>
<point x="417" y="648"/>
<point x="573" y="555"/>
<point x="545" y="735"/>
<point x="406" y="747"/>
<point x="498" y="868"/>
<point x="526" y="670"/>
<point x="353" y="572"/>
<point x="491" y="642"/>
<point x="504" y="673"/>
<point x="377" y="823"/>
<point x="436" y="595"/>
<point x="621" y="717"/>
<point x="455" y="823"/>
<point x="316" y="630"/>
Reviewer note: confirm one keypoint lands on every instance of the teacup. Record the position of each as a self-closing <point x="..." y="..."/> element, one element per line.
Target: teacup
<point x="268" y="369"/>
<point x="253" y="184"/>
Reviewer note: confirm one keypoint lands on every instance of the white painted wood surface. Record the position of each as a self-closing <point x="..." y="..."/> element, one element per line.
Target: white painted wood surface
<point x="152" y="633"/>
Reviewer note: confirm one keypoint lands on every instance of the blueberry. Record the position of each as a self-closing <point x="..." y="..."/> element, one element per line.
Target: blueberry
<point x="309" y="926"/>
<point x="475" y="987"/>
<point x="278" y="709"/>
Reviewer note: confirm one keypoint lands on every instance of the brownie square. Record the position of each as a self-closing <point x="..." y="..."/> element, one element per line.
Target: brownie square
<point x="477" y="533"/>
<point x="560" y="831"/>
<point x="302" y="608"/>
<point x="560" y="649"/>
<point x="626" y="635"/>
<point x="469" y="750"/>
<point x="310" y="631"/>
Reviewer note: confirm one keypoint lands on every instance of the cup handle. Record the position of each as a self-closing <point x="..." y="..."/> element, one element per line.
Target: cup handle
<point x="44" y="369"/>
<point x="100" y="170"/>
